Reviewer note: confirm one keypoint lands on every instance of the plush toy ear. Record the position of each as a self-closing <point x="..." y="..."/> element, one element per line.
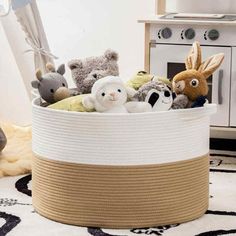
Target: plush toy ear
<point x="50" y="67"/>
<point x="130" y="92"/>
<point x="89" y="102"/>
<point x="211" y="64"/>
<point x="61" y="69"/>
<point x="111" y="55"/>
<point x="73" y="64"/>
<point x="35" y="84"/>
<point x="194" y="58"/>
<point x="38" y="74"/>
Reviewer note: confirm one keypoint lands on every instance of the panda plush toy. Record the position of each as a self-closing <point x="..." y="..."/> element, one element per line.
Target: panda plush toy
<point x="157" y="94"/>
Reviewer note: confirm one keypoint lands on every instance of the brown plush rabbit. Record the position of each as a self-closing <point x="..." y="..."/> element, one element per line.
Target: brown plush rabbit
<point x="191" y="85"/>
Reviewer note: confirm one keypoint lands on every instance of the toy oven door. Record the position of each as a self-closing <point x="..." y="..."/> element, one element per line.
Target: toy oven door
<point x="233" y="90"/>
<point x="167" y="60"/>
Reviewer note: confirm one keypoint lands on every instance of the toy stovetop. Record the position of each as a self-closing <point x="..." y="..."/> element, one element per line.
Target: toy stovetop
<point x="198" y="19"/>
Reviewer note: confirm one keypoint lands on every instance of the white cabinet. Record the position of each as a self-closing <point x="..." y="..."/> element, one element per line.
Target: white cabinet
<point x="233" y="90"/>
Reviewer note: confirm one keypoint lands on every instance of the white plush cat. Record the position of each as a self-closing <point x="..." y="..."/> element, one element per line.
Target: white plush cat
<point x="110" y="95"/>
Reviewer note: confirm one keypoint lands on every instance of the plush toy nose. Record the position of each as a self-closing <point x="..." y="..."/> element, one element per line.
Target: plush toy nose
<point x="179" y="86"/>
<point x="61" y="93"/>
<point x="113" y="94"/>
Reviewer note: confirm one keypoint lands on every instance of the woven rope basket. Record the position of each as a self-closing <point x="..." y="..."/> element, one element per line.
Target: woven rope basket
<point x="121" y="170"/>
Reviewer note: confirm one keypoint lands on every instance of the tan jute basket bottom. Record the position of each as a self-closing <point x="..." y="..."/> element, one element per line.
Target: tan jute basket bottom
<point x="121" y="196"/>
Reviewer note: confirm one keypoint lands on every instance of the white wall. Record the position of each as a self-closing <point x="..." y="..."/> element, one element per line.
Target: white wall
<point x="171" y="5"/>
<point x="201" y="6"/>
<point x="82" y="28"/>
<point x="76" y="29"/>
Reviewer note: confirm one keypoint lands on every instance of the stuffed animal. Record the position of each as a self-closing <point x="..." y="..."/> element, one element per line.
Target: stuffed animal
<point x="191" y="84"/>
<point x="52" y="86"/>
<point x="157" y="94"/>
<point x="110" y="95"/>
<point x="72" y="104"/>
<point x="3" y="140"/>
<point x="86" y="72"/>
<point x="142" y="77"/>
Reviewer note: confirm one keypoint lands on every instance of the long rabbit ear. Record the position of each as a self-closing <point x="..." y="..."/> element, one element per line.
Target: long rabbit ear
<point x="194" y="58"/>
<point x="211" y="64"/>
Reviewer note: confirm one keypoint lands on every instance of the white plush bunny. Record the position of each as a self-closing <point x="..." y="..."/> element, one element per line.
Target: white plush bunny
<point x="110" y="95"/>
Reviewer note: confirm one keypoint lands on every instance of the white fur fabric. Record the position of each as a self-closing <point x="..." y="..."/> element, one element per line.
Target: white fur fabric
<point x="16" y="157"/>
<point x="109" y="95"/>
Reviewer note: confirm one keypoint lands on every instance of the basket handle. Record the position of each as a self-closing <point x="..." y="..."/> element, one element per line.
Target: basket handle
<point x="198" y="113"/>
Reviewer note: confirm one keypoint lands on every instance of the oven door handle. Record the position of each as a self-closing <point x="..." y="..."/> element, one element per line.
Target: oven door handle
<point x="220" y="81"/>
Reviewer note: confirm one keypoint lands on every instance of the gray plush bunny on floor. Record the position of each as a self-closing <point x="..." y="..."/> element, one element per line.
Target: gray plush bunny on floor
<point x="3" y="140"/>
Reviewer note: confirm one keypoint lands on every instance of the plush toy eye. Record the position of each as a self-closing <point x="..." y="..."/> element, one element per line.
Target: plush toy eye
<point x="63" y="85"/>
<point x="119" y="90"/>
<point x="194" y="83"/>
<point x="103" y="94"/>
<point x="51" y="90"/>
<point x="167" y="93"/>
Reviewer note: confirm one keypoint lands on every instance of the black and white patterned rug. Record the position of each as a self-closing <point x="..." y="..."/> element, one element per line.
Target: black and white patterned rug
<point x="18" y="218"/>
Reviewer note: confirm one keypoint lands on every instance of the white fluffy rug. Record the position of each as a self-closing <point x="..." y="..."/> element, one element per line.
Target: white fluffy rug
<point x="18" y="218"/>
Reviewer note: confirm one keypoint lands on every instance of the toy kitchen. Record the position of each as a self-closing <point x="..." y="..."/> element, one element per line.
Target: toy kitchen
<point x="168" y="38"/>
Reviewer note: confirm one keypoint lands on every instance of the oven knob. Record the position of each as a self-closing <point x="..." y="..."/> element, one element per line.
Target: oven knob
<point x="188" y="34"/>
<point x="165" y="33"/>
<point x="213" y="34"/>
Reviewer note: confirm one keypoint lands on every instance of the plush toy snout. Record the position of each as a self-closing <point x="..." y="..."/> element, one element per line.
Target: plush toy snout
<point x="113" y="96"/>
<point x="178" y="86"/>
<point x="61" y="93"/>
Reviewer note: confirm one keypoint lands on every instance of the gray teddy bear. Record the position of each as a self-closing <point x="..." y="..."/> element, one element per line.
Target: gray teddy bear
<point x="86" y="72"/>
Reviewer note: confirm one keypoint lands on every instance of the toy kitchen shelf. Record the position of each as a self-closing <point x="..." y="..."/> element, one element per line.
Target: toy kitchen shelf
<point x="167" y="41"/>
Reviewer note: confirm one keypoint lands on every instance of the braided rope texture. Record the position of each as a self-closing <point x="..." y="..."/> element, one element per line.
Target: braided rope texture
<point x="121" y="196"/>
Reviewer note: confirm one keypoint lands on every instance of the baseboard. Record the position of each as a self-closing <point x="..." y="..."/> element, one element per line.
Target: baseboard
<point x="223" y="144"/>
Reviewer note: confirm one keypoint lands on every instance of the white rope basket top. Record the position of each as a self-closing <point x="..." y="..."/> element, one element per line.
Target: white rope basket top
<point x="121" y="139"/>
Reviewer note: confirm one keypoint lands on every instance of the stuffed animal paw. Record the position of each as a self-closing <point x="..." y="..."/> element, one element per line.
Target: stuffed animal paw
<point x="138" y="107"/>
<point x="180" y="102"/>
<point x="199" y="102"/>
